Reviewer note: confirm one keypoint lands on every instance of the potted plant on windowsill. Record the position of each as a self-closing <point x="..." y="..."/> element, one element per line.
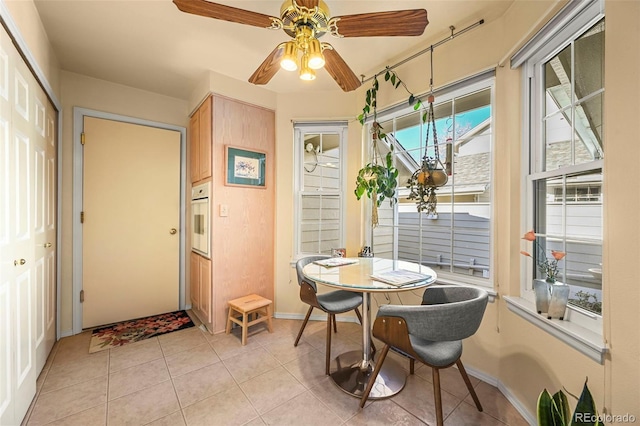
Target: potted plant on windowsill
<point x="551" y="296"/>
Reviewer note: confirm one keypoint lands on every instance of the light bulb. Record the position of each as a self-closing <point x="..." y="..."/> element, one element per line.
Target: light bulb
<point x="289" y="60"/>
<point x="316" y="58"/>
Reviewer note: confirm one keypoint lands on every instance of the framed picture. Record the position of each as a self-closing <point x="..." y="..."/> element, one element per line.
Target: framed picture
<point x="244" y="167"/>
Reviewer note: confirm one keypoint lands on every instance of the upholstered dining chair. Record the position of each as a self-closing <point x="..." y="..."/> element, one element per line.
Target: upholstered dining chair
<point x="334" y="302"/>
<point x="431" y="333"/>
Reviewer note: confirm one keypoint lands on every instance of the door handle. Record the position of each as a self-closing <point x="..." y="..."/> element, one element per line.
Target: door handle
<point x="19" y="262"/>
<point x="47" y="245"/>
<point x="173" y="231"/>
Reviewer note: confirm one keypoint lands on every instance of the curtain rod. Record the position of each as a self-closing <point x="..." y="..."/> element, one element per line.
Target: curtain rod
<point x="428" y="49"/>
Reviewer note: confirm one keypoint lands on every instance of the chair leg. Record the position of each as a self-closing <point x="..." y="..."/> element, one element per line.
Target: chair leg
<point x="437" y="395"/>
<point x="372" y="378"/>
<point x="359" y="315"/>
<point x="412" y="365"/>
<point x="472" y="391"/>
<point x="335" y="324"/>
<point x="304" y="324"/>
<point x="330" y="318"/>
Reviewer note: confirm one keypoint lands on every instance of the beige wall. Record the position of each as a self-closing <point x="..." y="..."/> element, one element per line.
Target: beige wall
<point x="519" y="355"/>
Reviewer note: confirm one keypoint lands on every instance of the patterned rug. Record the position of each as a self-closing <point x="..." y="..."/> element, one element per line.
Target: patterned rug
<point x="138" y="329"/>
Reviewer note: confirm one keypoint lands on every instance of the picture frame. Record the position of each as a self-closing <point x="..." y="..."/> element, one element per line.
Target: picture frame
<point x="244" y="167"/>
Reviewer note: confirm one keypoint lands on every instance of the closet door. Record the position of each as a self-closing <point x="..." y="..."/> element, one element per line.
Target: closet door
<point x="27" y="224"/>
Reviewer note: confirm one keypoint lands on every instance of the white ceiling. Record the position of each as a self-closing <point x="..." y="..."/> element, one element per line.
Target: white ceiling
<point x="151" y="45"/>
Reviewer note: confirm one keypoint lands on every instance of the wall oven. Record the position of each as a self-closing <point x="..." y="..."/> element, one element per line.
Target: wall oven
<point x="200" y="219"/>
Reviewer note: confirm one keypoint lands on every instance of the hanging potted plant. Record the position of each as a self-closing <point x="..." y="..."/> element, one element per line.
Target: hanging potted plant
<point x="378" y="179"/>
<point x="431" y="175"/>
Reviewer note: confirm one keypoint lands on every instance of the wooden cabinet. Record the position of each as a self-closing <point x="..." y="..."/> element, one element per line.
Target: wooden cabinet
<point x="200" y="141"/>
<point x="243" y="237"/>
<point x="200" y="287"/>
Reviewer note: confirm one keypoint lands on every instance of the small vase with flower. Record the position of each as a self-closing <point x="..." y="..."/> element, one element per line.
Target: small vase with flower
<point x="551" y="296"/>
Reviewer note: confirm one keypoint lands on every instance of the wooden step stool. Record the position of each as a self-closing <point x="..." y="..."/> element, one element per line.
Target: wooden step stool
<point x="247" y="305"/>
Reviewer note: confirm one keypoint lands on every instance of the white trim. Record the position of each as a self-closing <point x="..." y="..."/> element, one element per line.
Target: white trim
<point x="78" y="124"/>
<point x="568" y="170"/>
<point x="573" y="20"/>
<point x="581" y="339"/>
<point x="322" y="127"/>
<point x="562" y="20"/>
<point x="476" y="83"/>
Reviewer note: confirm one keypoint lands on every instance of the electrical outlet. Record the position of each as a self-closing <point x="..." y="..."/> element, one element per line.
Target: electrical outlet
<point x="224" y="210"/>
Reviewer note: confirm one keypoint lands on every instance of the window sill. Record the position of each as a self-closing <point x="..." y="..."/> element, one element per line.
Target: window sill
<point x="584" y="341"/>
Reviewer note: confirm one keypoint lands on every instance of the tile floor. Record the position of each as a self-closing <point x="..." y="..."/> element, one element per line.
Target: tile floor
<point x="190" y="377"/>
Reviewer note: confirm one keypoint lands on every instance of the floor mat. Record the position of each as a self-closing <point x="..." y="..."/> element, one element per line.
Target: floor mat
<point x="138" y="329"/>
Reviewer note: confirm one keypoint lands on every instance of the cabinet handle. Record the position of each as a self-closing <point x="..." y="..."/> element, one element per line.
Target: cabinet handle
<point x="47" y="245"/>
<point x="19" y="262"/>
<point x="173" y="231"/>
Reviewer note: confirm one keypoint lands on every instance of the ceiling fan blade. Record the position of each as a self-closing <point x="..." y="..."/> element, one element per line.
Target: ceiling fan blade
<point x="410" y="22"/>
<point x="340" y="71"/>
<point x="268" y="68"/>
<point x="223" y="12"/>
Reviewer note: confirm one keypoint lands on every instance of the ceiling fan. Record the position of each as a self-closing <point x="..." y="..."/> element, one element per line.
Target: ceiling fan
<point x="305" y="21"/>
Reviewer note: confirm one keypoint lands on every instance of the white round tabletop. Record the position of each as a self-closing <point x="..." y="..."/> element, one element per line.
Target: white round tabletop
<point x="370" y="274"/>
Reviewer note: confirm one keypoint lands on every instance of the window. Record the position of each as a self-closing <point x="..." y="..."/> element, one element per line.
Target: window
<point x="319" y="182"/>
<point x="457" y="241"/>
<point x="566" y="147"/>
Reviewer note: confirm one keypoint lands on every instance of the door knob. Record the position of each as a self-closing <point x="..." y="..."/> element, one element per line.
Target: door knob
<point x="47" y="245"/>
<point x="19" y="262"/>
<point x="173" y="231"/>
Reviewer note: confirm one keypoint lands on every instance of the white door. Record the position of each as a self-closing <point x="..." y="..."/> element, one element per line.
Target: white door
<point x="44" y="227"/>
<point x="27" y="223"/>
<point x="131" y="205"/>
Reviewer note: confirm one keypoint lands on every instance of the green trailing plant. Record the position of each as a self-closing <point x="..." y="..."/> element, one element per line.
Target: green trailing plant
<point x="378" y="179"/>
<point x="371" y="96"/>
<point x="553" y="410"/>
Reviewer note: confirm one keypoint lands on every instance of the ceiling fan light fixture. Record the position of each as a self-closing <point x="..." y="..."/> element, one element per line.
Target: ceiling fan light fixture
<point x="289" y="60"/>
<point x="316" y="58"/>
<point x="306" y="73"/>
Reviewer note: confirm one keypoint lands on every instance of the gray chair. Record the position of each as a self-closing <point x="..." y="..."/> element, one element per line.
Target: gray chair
<point x="334" y="302"/>
<point x="431" y="333"/>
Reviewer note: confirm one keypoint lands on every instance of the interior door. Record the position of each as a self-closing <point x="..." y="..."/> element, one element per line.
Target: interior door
<point x="23" y="158"/>
<point x="131" y="209"/>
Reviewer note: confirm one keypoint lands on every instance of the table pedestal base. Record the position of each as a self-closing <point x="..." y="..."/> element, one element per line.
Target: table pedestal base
<point x="352" y="376"/>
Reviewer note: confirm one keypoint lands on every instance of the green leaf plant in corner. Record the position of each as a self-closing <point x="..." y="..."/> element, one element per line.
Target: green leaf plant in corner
<point x="554" y="410"/>
<point x="378" y="179"/>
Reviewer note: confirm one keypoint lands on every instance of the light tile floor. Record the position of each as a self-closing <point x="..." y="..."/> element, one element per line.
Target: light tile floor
<point x="190" y="378"/>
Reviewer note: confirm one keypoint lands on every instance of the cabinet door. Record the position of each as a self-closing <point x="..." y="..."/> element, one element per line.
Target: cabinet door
<point x="194" y="284"/>
<point x="205" y="288"/>
<point x="204" y="154"/>
<point x="194" y="146"/>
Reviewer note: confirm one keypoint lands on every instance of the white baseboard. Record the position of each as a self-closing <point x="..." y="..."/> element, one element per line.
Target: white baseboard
<point x="528" y="417"/>
<point x="66" y="333"/>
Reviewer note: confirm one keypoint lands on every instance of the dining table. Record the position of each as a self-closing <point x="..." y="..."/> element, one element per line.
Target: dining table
<point x="352" y="370"/>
